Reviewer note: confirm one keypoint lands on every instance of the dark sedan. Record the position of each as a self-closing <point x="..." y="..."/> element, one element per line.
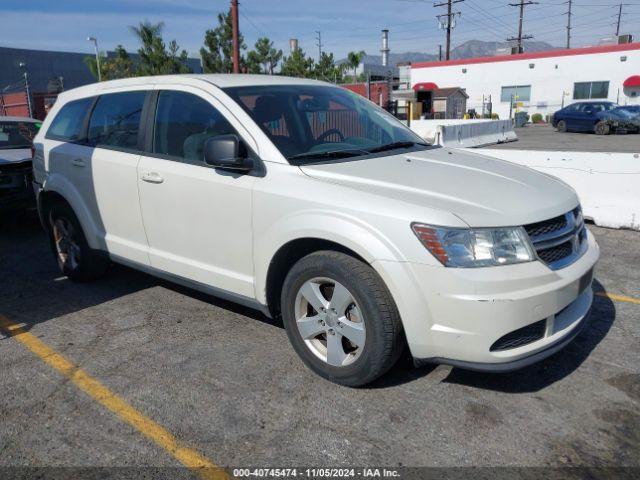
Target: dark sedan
<point x="16" y="135"/>
<point x="581" y="117"/>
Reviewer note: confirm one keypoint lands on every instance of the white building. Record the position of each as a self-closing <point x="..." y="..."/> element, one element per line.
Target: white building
<point x="538" y="82"/>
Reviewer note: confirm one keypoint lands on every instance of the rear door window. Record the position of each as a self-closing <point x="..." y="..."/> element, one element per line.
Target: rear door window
<point x="183" y="123"/>
<point x="68" y="123"/>
<point x="115" y="121"/>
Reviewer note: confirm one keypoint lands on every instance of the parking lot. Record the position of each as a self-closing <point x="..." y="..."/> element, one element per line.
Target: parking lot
<point x="545" y="137"/>
<point x="224" y="382"/>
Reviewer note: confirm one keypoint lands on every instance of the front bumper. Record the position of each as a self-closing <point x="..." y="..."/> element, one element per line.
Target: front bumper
<point x="455" y="316"/>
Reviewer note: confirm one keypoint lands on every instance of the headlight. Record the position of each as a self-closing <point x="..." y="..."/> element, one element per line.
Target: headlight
<point x="477" y="247"/>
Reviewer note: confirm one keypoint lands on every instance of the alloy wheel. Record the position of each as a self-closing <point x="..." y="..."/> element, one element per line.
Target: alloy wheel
<point x="67" y="246"/>
<point x="330" y="321"/>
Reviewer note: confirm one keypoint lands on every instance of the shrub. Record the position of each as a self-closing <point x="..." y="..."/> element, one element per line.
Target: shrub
<point x="536" y="118"/>
<point x="495" y="116"/>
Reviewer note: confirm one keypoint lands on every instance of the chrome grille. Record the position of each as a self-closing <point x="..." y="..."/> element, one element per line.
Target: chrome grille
<point x="559" y="241"/>
<point x="550" y="255"/>
<point x="547" y="226"/>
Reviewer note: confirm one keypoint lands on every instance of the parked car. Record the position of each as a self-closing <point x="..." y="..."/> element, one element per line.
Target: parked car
<point x="310" y="203"/>
<point x="583" y="117"/>
<point x="16" y="136"/>
<point x="618" y="120"/>
<point x="632" y="109"/>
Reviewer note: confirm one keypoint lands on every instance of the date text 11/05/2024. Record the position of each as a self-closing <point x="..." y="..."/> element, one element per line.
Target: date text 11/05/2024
<point x="316" y="473"/>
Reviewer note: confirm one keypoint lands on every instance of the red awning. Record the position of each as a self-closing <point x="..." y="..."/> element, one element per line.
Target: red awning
<point x="425" y="86"/>
<point x="632" y="81"/>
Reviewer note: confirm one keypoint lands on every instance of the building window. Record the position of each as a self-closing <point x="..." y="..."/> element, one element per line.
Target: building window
<point x="516" y="93"/>
<point x="589" y="90"/>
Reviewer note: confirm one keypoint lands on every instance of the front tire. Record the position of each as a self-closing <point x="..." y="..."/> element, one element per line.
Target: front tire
<point x="602" y="128"/>
<point x="75" y="258"/>
<point x="341" y="319"/>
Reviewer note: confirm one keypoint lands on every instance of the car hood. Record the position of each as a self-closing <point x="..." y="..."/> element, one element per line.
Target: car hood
<point x="480" y="190"/>
<point x="13" y="155"/>
<point x="617" y="115"/>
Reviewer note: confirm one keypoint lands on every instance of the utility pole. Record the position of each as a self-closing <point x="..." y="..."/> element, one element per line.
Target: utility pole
<point x="449" y="25"/>
<point x="440" y="52"/>
<point x="568" y="14"/>
<point x="521" y="37"/>
<point x="319" y="43"/>
<point x="236" y="35"/>
<point x="619" y="19"/>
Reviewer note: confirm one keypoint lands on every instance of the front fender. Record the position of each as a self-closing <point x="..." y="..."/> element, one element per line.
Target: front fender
<point x="345" y="230"/>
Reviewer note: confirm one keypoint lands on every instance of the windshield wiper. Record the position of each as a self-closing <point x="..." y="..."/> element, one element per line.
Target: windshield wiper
<point x="345" y="153"/>
<point x="394" y="145"/>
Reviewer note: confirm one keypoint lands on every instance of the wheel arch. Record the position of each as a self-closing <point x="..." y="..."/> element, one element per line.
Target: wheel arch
<point x="58" y="189"/>
<point x="290" y="253"/>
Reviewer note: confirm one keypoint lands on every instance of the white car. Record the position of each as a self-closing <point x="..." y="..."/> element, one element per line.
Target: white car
<point x="309" y="202"/>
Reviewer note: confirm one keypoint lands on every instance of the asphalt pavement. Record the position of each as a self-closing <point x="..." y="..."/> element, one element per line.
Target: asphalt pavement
<point x="224" y="381"/>
<point x="545" y="137"/>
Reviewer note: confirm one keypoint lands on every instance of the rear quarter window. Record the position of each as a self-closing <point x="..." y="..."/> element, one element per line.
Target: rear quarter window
<point x="67" y="125"/>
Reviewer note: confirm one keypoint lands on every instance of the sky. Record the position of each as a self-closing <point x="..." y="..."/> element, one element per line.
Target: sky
<point x="345" y="25"/>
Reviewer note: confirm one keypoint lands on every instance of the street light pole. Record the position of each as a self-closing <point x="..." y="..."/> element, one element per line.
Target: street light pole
<point x="26" y="88"/>
<point x="95" y="47"/>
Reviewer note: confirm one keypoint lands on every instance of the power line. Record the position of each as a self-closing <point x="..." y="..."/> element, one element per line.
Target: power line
<point x="521" y="37"/>
<point x="450" y="24"/>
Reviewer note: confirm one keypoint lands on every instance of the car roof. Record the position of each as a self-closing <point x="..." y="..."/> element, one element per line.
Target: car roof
<point x="221" y="80"/>
<point x="4" y="118"/>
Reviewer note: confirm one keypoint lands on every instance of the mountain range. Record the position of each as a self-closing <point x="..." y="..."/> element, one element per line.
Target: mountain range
<point x="469" y="49"/>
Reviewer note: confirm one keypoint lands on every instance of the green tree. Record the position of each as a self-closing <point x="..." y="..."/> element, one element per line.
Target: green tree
<point x="264" y="57"/>
<point x="326" y="68"/>
<point x="297" y="65"/>
<point x="120" y="66"/>
<point x="353" y="60"/>
<point x="155" y="58"/>
<point x="111" y="68"/>
<point x="90" y="62"/>
<point x="217" y="52"/>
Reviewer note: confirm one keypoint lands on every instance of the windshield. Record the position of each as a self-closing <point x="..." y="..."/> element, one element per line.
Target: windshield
<point x="16" y="134"/>
<point x="310" y="123"/>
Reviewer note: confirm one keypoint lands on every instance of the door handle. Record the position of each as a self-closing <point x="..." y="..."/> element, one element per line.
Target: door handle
<point x="152" y="177"/>
<point x="77" y="162"/>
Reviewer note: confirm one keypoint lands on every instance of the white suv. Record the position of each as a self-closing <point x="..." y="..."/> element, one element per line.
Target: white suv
<point x="311" y="203"/>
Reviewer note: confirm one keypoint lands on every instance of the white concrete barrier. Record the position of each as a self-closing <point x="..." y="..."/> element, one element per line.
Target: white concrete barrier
<point x="428" y="129"/>
<point x="465" y="133"/>
<point x="608" y="184"/>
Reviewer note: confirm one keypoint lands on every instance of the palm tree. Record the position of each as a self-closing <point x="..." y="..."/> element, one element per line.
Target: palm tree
<point x="353" y="60"/>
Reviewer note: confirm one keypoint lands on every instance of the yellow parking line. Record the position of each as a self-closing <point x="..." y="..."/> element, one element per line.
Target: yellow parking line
<point x="619" y="298"/>
<point x="92" y="387"/>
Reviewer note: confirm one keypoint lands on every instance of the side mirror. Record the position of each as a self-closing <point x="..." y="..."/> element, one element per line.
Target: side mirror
<point x="228" y="152"/>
